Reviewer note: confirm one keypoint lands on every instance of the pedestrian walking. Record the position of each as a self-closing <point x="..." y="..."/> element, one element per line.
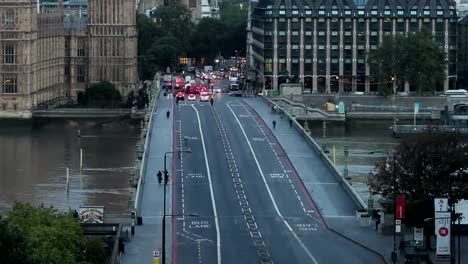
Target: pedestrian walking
<point x="166" y="177"/>
<point x="168" y="113"/>
<point x="274" y="124"/>
<point x="211" y="100"/>
<point x="290" y="122"/>
<point x="159" y="175"/>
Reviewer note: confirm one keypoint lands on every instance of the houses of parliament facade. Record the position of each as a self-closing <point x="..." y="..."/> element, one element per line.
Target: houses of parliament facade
<point x="51" y="52"/>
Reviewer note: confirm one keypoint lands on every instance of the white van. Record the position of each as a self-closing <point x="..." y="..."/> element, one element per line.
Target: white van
<point x="456" y="93"/>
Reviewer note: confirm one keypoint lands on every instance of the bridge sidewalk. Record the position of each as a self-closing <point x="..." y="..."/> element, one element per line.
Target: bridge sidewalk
<point x="148" y="236"/>
<point x="334" y="204"/>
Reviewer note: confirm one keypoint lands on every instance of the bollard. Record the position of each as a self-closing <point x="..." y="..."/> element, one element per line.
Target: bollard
<point x="133" y="223"/>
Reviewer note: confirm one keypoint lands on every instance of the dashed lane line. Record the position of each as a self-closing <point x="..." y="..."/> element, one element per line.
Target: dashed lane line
<point x="252" y="226"/>
<point x="213" y="202"/>
<point x="312" y="258"/>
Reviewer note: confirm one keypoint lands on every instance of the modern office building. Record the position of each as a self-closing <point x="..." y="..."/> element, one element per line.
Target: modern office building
<point x="325" y="43"/>
<point x="462" y="66"/>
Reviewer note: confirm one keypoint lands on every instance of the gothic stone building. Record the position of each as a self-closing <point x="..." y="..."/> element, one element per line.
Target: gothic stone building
<point x="48" y="58"/>
<point x="325" y="42"/>
<point x="31" y="50"/>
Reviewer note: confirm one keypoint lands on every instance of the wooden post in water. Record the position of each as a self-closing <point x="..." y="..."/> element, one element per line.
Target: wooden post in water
<point x="81" y="159"/>
<point x="68" y="179"/>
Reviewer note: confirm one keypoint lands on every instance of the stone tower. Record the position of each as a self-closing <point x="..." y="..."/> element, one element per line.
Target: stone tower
<point x="113" y="43"/>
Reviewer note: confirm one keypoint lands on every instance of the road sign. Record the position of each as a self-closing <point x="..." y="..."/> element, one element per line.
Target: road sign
<point x="397" y="225"/>
<point x="442" y="229"/>
<point x="418" y="234"/>
<point x="156" y="257"/>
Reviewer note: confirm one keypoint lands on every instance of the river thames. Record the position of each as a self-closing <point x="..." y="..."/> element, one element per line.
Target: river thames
<point x="35" y="157"/>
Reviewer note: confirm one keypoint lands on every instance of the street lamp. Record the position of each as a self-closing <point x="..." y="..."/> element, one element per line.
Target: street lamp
<point x="164" y="205"/>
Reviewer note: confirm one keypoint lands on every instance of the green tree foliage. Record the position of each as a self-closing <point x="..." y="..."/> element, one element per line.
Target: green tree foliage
<point x="170" y="34"/>
<point x="416" y="58"/>
<point x="55" y="237"/>
<point x="175" y="20"/>
<point x="208" y="38"/>
<point x="235" y="20"/>
<point x="102" y="94"/>
<point x="13" y="246"/>
<point x="428" y="165"/>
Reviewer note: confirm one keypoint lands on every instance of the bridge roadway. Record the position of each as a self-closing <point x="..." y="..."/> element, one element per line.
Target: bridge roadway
<point x="251" y="204"/>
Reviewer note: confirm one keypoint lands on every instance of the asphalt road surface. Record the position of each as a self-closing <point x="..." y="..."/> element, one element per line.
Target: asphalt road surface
<point x="237" y="198"/>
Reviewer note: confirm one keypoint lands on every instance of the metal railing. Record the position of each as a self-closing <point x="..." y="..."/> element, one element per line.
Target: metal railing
<point x="387" y="108"/>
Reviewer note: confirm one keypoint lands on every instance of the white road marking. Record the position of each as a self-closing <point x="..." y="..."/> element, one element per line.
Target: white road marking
<point x="269" y="191"/>
<point x="252" y="226"/>
<point x="213" y="202"/>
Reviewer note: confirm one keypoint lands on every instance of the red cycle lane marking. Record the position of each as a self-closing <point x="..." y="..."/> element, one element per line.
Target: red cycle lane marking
<point x="301" y="183"/>
<point x="289" y="164"/>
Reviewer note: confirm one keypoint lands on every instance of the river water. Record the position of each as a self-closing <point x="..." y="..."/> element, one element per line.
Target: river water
<point x="34" y="158"/>
<point x="367" y="141"/>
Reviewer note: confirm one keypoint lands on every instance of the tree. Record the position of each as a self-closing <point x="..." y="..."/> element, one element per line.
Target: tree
<point x="235" y="20"/>
<point x="55" y="237"/>
<point x="13" y="246"/>
<point x="208" y="38"/>
<point x="102" y="94"/>
<point x="415" y="58"/>
<point x="427" y="165"/>
<point x="176" y="20"/>
<point x="425" y="62"/>
<point x="385" y="62"/>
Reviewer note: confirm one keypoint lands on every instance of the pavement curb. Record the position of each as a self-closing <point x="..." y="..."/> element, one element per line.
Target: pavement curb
<point x="348" y="188"/>
<point x="382" y="257"/>
<point x="290" y="165"/>
<point x="141" y="180"/>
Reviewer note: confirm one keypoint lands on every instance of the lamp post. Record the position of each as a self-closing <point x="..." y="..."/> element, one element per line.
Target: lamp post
<point x="394" y="254"/>
<point x="164" y="205"/>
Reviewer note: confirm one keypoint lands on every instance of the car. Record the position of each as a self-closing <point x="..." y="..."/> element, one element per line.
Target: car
<point x="236" y="93"/>
<point x="192" y="97"/>
<point x="217" y="90"/>
<point x="192" y="89"/>
<point x="205" y="97"/>
<point x="180" y="96"/>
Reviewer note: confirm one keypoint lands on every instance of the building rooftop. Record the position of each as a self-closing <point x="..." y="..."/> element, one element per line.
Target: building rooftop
<point x="303" y="8"/>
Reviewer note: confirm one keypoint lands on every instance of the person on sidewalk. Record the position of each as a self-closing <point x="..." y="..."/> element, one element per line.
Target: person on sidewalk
<point x="166" y="177"/>
<point x="168" y="113"/>
<point x="290" y="122"/>
<point x="274" y="124"/>
<point x="159" y="175"/>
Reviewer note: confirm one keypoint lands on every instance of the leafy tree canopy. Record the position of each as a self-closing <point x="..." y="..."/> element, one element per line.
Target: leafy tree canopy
<point x="426" y="166"/>
<point x="55" y="237"/>
<point x="102" y="93"/>
<point x="13" y="246"/>
<point x="170" y="34"/>
<point x="416" y="58"/>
